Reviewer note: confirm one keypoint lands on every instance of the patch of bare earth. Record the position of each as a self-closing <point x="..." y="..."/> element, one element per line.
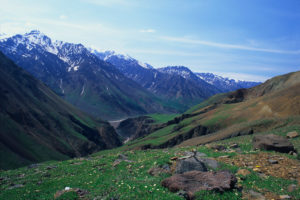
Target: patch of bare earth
<point x="285" y="168"/>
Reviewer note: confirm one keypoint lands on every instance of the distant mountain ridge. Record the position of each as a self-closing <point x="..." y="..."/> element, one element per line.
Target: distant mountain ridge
<point x="226" y="84"/>
<point x="80" y="77"/>
<point x="169" y="86"/>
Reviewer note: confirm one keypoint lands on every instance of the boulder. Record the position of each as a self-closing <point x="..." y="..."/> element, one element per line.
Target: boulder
<point x="272" y="142"/>
<point x="189" y="164"/>
<point x="292" y="134"/>
<point x="194" y="181"/>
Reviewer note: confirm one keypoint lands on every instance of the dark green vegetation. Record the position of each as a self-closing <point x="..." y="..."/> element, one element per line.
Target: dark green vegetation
<point x="36" y="125"/>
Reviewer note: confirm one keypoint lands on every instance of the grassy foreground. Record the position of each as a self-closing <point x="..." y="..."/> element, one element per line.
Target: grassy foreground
<point x="102" y="179"/>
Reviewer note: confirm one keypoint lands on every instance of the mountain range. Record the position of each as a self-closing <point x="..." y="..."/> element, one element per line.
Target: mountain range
<point x="110" y="85"/>
<point x="173" y="82"/>
<point x="79" y="77"/>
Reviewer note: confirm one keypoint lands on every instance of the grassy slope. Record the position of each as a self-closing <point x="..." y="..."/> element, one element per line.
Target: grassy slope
<point x="97" y="175"/>
<point x="272" y="104"/>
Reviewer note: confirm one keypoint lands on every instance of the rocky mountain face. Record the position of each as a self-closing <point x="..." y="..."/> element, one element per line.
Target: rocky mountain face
<point x="225" y="84"/>
<point x="36" y="125"/>
<point x="170" y="86"/>
<point x="80" y="77"/>
<point x="173" y="82"/>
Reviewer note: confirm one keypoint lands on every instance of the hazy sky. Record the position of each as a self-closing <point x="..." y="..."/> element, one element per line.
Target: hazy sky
<point x="245" y="39"/>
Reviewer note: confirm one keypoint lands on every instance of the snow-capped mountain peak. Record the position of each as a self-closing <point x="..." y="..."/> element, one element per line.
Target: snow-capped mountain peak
<point x="179" y="70"/>
<point x="114" y="57"/>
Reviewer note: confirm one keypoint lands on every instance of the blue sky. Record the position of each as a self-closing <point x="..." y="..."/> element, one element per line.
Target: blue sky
<point x="250" y="40"/>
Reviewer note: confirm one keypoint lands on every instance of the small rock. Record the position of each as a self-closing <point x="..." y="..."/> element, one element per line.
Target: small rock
<point x="262" y="175"/>
<point x="121" y="158"/>
<point x="67" y="188"/>
<point x="292" y="134"/>
<point x="39" y="182"/>
<point x="51" y="167"/>
<point x="195" y="154"/>
<point x="233" y="146"/>
<point x="15" y="186"/>
<point x="256" y="169"/>
<point x="218" y="147"/>
<point x="183" y="194"/>
<point x="33" y="166"/>
<point x="256" y="196"/>
<point x="273" y="161"/>
<point x="284" y="197"/>
<point x="81" y="193"/>
<point x="226" y="156"/>
<point x="292" y="188"/>
<point x="174" y="158"/>
<point x="243" y="172"/>
<point x="272" y="142"/>
<point x="155" y="171"/>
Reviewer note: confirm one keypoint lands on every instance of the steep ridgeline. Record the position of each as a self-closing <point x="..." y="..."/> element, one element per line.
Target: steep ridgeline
<point x="169" y="86"/>
<point x="36" y="125"/>
<point x="225" y="84"/>
<point x="80" y="77"/>
<point x="267" y="107"/>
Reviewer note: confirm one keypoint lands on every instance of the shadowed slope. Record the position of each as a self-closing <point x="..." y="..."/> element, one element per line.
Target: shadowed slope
<point x="36" y="125"/>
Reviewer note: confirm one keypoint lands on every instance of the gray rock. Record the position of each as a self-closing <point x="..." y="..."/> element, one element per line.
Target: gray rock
<point x="210" y="163"/>
<point x="233" y="146"/>
<point x="15" y="186"/>
<point x="273" y="161"/>
<point x="33" y="166"/>
<point x="183" y="194"/>
<point x="189" y="164"/>
<point x="272" y="142"/>
<point x="256" y="196"/>
<point x="196" y="154"/>
<point x="292" y="188"/>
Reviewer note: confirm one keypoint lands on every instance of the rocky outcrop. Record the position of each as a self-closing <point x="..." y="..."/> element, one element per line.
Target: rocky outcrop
<point x="133" y="128"/>
<point x="272" y="142"/>
<point x="194" y="181"/>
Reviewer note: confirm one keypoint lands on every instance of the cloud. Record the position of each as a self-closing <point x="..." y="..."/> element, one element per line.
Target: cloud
<point x="148" y="31"/>
<point x="241" y="76"/>
<point x="63" y="17"/>
<point x="108" y="3"/>
<point x="227" y="46"/>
